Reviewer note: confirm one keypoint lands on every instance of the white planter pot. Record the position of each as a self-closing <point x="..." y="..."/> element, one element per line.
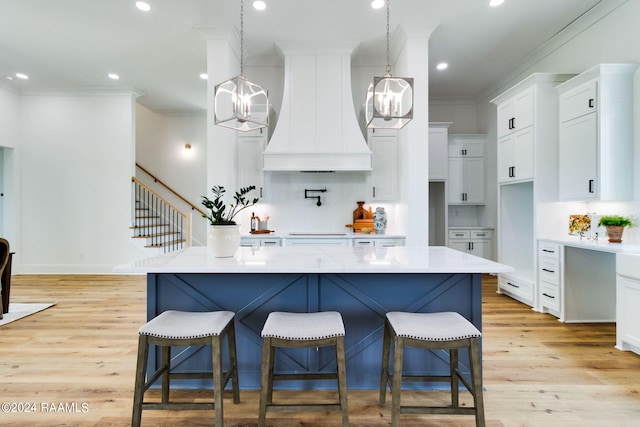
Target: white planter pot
<point x="223" y="240"/>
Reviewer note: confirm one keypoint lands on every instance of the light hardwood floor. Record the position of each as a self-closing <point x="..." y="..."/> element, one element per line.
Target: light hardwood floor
<point x="538" y="372"/>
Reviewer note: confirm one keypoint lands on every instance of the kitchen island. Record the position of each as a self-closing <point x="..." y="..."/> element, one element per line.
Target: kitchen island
<point x="362" y="283"/>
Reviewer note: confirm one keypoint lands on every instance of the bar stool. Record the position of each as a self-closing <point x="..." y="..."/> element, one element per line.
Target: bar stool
<point x="180" y="328"/>
<point x="431" y="331"/>
<point x="302" y="330"/>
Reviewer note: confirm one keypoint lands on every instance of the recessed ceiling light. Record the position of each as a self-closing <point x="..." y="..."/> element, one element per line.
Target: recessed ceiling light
<point x="143" y="6"/>
<point x="204" y="76"/>
<point x="377" y="4"/>
<point x="259" y="5"/>
<point x="8" y="77"/>
<point x="494" y="3"/>
<point x="114" y="76"/>
<point x="22" y="76"/>
<point x="442" y="66"/>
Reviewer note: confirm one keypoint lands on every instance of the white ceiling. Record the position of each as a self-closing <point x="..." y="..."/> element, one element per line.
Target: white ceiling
<point x="66" y="44"/>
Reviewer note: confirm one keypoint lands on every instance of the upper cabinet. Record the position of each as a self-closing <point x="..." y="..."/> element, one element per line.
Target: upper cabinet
<point x="438" y="139"/>
<point x="466" y="180"/>
<point x="596" y="134"/>
<point x="515" y="113"/>
<point x="384" y="164"/>
<point x="251" y="145"/>
<point x="527" y="123"/>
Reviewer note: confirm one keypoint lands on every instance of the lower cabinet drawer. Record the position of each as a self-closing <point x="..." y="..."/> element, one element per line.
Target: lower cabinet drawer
<point x="550" y="296"/>
<point x="518" y="287"/>
<point x="549" y="270"/>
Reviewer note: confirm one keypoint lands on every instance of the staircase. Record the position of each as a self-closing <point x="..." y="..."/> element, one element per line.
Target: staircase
<point x="156" y="223"/>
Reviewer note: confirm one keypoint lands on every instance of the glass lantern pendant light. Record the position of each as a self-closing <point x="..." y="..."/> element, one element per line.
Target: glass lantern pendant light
<point x="237" y="103"/>
<point x="389" y="103"/>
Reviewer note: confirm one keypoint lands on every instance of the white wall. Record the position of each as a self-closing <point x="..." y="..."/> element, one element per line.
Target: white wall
<point x="9" y="131"/>
<point x="160" y="149"/>
<point x="76" y="162"/>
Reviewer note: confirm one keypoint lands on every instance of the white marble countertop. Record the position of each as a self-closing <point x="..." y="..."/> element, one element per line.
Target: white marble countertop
<point x="323" y="235"/>
<point x="601" y="244"/>
<point x="402" y="259"/>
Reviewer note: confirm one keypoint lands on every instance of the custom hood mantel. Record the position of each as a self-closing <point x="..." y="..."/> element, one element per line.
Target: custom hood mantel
<point x="317" y="129"/>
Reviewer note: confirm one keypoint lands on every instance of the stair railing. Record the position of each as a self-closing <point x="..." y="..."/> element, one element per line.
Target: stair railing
<point x="159" y="221"/>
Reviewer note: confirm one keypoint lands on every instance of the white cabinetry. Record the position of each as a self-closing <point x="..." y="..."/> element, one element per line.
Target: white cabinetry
<point x="384" y="163"/>
<point x="260" y="241"/>
<point x="250" y="161"/>
<point x="466" y="182"/>
<point x="627" y="302"/>
<point x="472" y="241"/>
<point x="378" y="242"/>
<point x="438" y="142"/>
<point x="322" y="241"/>
<point x="596" y="134"/>
<point x="549" y="277"/>
<point x="527" y="173"/>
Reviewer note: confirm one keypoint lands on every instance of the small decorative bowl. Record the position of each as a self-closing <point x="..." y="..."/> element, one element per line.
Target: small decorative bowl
<point x="366" y="230"/>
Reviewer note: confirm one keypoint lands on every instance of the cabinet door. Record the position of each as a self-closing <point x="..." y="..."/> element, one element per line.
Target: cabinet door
<point x="481" y="248"/>
<point x="523" y="110"/>
<point x="388" y="243"/>
<point x="578" y="158"/>
<point x="505" y="158"/>
<point x="505" y="112"/>
<point x="455" y="184"/>
<point x="579" y="101"/>
<point x="250" y="149"/>
<point x="523" y="154"/>
<point x="458" y="245"/>
<point x="473" y="169"/>
<point x="438" y="153"/>
<point x="384" y="162"/>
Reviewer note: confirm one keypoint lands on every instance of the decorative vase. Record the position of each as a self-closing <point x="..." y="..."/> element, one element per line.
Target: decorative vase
<point x="360" y="212"/>
<point x="223" y="240"/>
<point x="380" y="220"/>
<point x="615" y="233"/>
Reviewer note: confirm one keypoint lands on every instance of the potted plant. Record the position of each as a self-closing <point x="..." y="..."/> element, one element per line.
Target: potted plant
<point x="615" y="225"/>
<point x="224" y="233"/>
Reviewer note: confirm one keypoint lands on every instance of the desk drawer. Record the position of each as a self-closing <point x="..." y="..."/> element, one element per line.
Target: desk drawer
<point x="519" y="287"/>
<point x="479" y="235"/>
<point x="549" y="250"/>
<point x="550" y="296"/>
<point x="549" y="270"/>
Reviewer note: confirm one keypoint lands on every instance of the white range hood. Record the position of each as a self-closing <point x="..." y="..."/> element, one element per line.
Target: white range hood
<point x="317" y="129"/>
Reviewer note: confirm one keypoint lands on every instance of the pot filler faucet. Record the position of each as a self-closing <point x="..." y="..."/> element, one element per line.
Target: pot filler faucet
<point x="307" y="196"/>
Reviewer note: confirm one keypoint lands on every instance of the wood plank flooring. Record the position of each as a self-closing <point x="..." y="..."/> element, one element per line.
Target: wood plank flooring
<point x="73" y="365"/>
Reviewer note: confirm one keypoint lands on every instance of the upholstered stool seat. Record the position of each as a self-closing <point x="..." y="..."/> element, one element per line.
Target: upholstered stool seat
<point x="180" y="328"/>
<point x="431" y="331"/>
<point x="302" y="330"/>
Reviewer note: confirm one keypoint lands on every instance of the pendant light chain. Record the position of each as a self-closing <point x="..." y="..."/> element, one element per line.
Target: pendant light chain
<point x="242" y="38"/>
<point x="388" y="72"/>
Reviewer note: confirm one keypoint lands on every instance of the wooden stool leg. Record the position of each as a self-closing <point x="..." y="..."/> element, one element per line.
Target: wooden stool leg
<point x="342" y="381"/>
<point x="453" y="367"/>
<point x="233" y="362"/>
<point x="218" y="390"/>
<point x="396" y="386"/>
<point x="384" y="378"/>
<point x="141" y="370"/>
<point x="476" y="378"/>
<point x="266" y="380"/>
<point x="166" y="364"/>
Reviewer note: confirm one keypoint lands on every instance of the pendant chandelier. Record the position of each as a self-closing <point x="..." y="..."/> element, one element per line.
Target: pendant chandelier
<point x="389" y="103"/>
<point x="237" y="103"/>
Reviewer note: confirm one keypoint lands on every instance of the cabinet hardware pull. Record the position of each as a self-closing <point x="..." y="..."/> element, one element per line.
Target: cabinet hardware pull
<point x="549" y="250"/>
<point x="480" y="234"/>
<point x="459" y="234"/>
<point x="548" y="271"/>
<point x="261" y="187"/>
<point x="590" y="186"/>
<point x="511" y="284"/>
<point x="548" y="296"/>
<point x="374" y="191"/>
<point x="513" y="122"/>
<point x="590" y="102"/>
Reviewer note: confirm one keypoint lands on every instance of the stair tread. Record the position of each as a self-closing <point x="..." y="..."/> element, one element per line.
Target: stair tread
<point x="134" y="227"/>
<point x="160" y="245"/>
<point x="166" y="233"/>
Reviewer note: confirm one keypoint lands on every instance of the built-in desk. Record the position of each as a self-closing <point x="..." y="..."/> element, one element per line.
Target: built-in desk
<point x="362" y="283"/>
<point x="577" y="278"/>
